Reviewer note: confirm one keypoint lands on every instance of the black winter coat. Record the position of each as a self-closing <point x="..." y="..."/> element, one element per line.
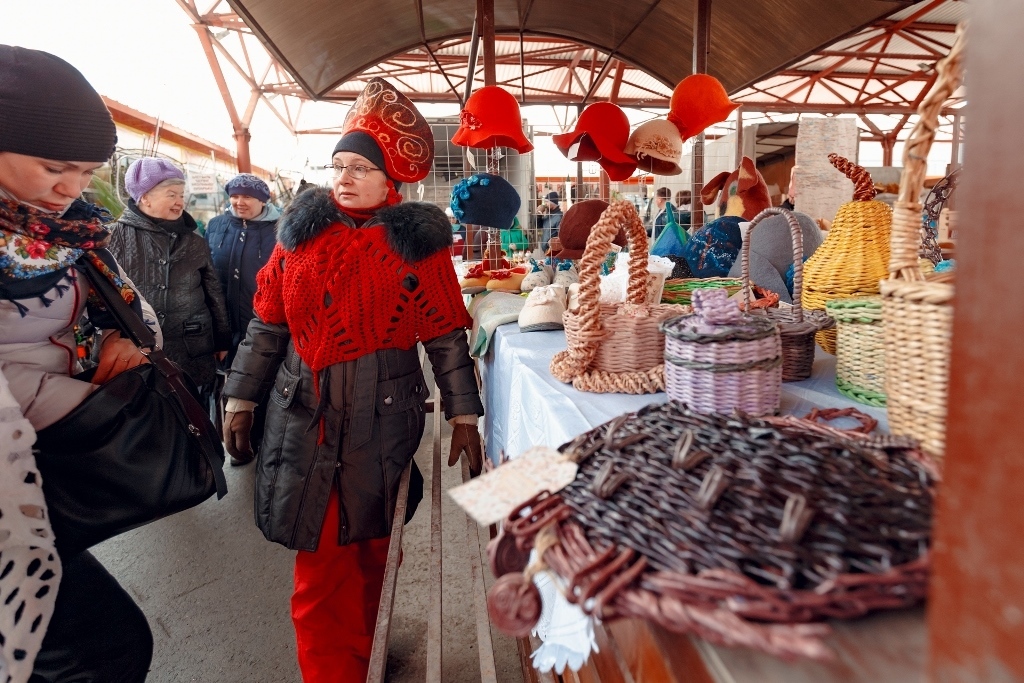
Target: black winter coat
<point x="239" y="249"/>
<point x="373" y="415"/>
<point x="174" y="272"/>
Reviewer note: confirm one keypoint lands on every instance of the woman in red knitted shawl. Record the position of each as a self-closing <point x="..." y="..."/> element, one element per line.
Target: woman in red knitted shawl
<point x="356" y="280"/>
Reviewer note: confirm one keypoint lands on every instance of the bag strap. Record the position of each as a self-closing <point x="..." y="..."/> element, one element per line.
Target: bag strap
<point x="196" y="418"/>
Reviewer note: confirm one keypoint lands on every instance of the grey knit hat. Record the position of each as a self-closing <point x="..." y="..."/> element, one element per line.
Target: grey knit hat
<point x="49" y="110"/>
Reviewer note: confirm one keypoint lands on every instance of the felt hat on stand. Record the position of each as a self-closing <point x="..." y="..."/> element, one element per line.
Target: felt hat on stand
<point x="384" y="117"/>
<point x="491" y="118"/>
<point x="600" y="135"/>
<point x="485" y="199"/>
<point x="698" y="101"/>
<point x="576" y="225"/>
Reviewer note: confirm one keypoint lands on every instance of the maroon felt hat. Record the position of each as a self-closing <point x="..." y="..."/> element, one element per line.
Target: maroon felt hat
<point x="576" y="225"/>
<point x="600" y="135"/>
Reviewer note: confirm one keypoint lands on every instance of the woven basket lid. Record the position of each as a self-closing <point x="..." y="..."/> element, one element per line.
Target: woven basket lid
<point x="716" y="318"/>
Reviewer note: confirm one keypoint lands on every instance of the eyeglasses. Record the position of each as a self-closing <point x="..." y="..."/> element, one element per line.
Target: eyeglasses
<point x="358" y="171"/>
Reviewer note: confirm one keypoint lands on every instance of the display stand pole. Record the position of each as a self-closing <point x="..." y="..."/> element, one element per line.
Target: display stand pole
<point x="701" y="44"/>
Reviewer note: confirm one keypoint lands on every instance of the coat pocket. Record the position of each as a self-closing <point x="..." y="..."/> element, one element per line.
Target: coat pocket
<point x="398" y="395"/>
<point x="286" y="386"/>
<point x="198" y="337"/>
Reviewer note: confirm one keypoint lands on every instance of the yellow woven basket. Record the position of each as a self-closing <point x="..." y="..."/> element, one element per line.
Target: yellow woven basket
<point x="855" y="253"/>
<point x="917" y="311"/>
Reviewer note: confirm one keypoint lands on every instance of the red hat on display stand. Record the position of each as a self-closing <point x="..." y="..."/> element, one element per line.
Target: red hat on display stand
<point x="491" y="119"/>
<point x="698" y="101"/>
<point x="600" y="135"/>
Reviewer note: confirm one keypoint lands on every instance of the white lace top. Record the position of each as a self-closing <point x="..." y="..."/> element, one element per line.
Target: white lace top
<point x="29" y="567"/>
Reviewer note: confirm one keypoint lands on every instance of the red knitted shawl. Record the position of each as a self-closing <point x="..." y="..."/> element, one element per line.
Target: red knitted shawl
<point x="345" y="292"/>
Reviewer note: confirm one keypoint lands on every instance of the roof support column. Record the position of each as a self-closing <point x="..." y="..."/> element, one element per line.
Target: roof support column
<point x="485" y="11"/>
<point x="242" y="138"/>
<point x="701" y="45"/>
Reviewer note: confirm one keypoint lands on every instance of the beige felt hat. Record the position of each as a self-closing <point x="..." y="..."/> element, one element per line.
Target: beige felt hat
<point x="657" y="147"/>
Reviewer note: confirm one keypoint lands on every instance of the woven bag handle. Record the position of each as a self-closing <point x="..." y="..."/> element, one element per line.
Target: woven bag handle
<point x="577" y="358"/>
<point x="906" y="218"/>
<point x="797" y="234"/>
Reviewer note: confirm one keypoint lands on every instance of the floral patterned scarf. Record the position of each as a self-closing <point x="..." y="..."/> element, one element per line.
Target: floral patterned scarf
<point x="34" y="243"/>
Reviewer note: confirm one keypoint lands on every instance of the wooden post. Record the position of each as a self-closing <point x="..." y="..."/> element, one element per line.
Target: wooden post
<point x="738" y="156"/>
<point x="485" y="10"/>
<point x="976" y="605"/>
<point x="242" y="138"/>
<point x="701" y="45"/>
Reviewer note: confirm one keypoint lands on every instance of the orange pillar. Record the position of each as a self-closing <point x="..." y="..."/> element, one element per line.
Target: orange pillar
<point x="976" y="608"/>
<point x="242" y="138"/>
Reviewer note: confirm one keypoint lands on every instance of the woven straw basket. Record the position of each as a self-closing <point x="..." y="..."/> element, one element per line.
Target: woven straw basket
<point x="796" y="326"/>
<point x="860" y="350"/>
<point x="719" y="359"/>
<point x="917" y="312"/>
<point x="615" y="348"/>
<point x="855" y="253"/>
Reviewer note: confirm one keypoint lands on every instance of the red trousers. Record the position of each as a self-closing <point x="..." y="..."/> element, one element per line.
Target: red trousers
<point x="334" y="606"/>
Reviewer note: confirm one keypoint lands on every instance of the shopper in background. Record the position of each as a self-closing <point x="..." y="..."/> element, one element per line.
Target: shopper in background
<point x="55" y="132"/>
<point x="664" y="211"/>
<point x="155" y="241"/>
<point x="684" y="208"/>
<point x="550" y="218"/>
<point x="241" y="241"/>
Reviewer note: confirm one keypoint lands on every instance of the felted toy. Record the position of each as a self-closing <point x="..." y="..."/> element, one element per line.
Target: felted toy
<point x="490" y="119"/>
<point x="698" y="101"/>
<point x="485" y="199"/>
<point x="600" y="135"/>
<point x="740" y="193"/>
<point x="712" y="250"/>
<point x="576" y="225"/>
<point x="855" y="254"/>
<point x="771" y="253"/>
<point x="540" y="275"/>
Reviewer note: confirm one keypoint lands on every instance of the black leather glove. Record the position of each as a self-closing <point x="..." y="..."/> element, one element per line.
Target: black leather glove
<point x="466" y="439"/>
<point x="236" y="436"/>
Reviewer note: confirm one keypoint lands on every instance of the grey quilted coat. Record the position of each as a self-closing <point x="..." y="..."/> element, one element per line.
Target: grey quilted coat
<point x="174" y="272"/>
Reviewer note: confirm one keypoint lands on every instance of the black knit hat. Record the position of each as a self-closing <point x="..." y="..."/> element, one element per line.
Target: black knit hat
<point x="365" y="146"/>
<point x="49" y="110"/>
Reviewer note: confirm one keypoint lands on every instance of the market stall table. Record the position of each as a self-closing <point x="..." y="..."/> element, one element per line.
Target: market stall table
<point x="528" y="407"/>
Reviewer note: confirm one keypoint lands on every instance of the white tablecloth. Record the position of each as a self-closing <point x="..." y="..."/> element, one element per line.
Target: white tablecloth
<point x="528" y="407"/>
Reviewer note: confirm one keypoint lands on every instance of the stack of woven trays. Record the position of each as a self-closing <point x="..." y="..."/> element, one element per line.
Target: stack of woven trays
<point x="738" y="530"/>
<point x="860" y="350"/>
<point x="719" y="359"/>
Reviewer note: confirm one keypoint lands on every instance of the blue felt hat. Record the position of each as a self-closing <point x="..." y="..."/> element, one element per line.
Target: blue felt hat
<point x="485" y="199"/>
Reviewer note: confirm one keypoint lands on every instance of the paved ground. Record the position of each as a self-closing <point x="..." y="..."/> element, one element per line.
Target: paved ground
<point x="217" y="594"/>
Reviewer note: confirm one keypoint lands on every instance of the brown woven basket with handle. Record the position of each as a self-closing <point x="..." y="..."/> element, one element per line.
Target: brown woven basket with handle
<point x="615" y="348"/>
<point x="797" y="327"/>
<point x="917" y="312"/>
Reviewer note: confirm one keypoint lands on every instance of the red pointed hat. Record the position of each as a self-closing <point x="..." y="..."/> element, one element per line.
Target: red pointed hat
<point x="491" y="119"/>
<point x="398" y="128"/>
<point x="600" y="135"/>
<point x="699" y="101"/>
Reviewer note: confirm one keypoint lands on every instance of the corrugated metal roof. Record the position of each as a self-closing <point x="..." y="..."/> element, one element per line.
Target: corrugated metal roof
<point x="323" y="47"/>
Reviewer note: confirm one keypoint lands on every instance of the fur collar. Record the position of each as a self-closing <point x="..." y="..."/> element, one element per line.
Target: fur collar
<point x="415" y="230"/>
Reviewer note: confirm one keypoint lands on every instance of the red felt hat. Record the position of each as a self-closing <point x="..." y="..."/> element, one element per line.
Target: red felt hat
<point x="491" y="119"/>
<point x="398" y="128"/>
<point x="600" y="135"/>
<point x="699" y="101"/>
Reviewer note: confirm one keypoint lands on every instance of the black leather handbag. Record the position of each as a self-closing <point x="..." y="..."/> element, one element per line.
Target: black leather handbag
<point x="139" y="448"/>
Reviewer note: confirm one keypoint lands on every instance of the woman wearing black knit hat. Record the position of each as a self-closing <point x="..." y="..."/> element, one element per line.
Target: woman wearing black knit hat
<point x="54" y="133"/>
<point x="356" y="280"/>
